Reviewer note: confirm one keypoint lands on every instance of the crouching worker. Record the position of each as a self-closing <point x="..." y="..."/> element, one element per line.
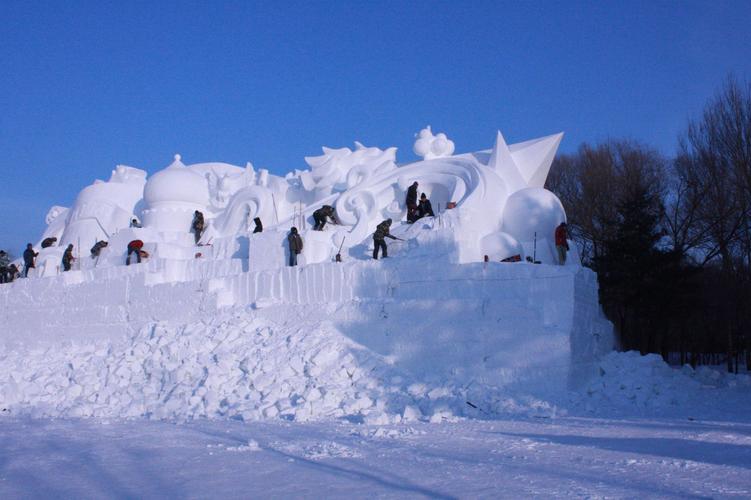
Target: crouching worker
<point x="321" y="215"/>
<point x="295" y="246"/>
<point x="68" y="258"/>
<point x="424" y="209"/>
<point x="97" y="248"/>
<point x="48" y="242"/>
<point x="13" y="273"/>
<point x="379" y="238"/>
<point x="134" y="247"/>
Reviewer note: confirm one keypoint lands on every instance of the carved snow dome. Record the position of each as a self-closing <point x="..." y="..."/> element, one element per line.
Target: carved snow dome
<point x="176" y="184"/>
<point x="172" y="195"/>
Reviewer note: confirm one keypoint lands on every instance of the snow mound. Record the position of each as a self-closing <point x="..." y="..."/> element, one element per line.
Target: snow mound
<point x="628" y="381"/>
<point x="239" y="367"/>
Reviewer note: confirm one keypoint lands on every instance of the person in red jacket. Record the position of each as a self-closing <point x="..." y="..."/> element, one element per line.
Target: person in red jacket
<point x="134" y="247"/>
<point x="561" y="242"/>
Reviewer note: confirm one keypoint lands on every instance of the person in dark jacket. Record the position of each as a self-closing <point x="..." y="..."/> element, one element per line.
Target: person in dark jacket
<point x="561" y="242"/>
<point x="197" y="225"/>
<point x="259" y="225"/>
<point x="412" y="202"/>
<point x="28" y="259"/>
<point x="97" y="248"/>
<point x="13" y="273"/>
<point x="424" y="209"/>
<point x="68" y="258"/>
<point x="321" y="215"/>
<point x="48" y="242"/>
<point x="379" y="238"/>
<point x="135" y="247"/>
<point x="295" y="246"/>
<point x="4" y="265"/>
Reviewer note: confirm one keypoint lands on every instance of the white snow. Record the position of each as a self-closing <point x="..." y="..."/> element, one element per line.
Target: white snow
<point x="565" y="457"/>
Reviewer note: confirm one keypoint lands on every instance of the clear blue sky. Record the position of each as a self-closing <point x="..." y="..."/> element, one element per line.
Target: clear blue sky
<point x="88" y="85"/>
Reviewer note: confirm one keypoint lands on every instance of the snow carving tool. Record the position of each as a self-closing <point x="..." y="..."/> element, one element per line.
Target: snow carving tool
<point x="339" y="253"/>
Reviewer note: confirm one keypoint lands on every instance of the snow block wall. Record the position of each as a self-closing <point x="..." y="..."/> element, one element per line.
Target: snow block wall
<point x="377" y="341"/>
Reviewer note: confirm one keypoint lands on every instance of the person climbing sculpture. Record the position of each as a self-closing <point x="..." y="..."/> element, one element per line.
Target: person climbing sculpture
<point x="321" y="215"/>
<point x="259" y="225"/>
<point x="295" y="243"/>
<point x="561" y="242"/>
<point x="412" y="202"/>
<point x="424" y="209"/>
<point x="381" y="233"/>
<point x="197" y="225"/>
<point x="68" y="258"/>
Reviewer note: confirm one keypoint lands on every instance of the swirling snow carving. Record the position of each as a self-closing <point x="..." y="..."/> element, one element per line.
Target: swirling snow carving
<point x="339" y="169"/>
<point x="243" y="207"/>
<point x="460" y="180"/>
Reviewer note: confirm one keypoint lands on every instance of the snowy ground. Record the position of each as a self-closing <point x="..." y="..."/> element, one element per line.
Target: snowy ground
<point x="510" y="458"/>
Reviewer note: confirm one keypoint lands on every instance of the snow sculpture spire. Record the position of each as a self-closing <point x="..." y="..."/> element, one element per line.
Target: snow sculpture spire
<point x="534" y="158"/>
<point x="502" y="161"/>
<point x="525" y="164"/>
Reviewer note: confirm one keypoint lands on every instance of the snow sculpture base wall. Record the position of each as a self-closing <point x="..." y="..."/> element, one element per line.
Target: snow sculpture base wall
<point x="419" y="333"/>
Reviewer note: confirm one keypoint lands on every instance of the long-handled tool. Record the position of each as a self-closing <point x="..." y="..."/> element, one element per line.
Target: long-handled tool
<point x="339" y="253"/>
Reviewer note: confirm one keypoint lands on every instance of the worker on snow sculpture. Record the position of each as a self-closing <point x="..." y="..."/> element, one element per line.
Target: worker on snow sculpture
<point x="295" y="246"/>
<point x="28" y="259"/>
<point x="561" y="242"/>
<point x="135" y="247"/>
<point x="97" y="248"/>
<point x="379" y="238"/>
<point x="4" y="264"/>
<point x="424" y="209"/>
<point x="197" y="225"/>
<point x="259" y="225"/>
<point x="412" y="202"/>
<point x="321" y="215"/>
<point x="13" y="273"/>
<point x="48" y="242"/>
<point x="68" y="258"/>
<point x="135" y="224"/>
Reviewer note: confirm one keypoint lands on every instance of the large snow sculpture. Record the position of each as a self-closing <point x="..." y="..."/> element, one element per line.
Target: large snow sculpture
<point x="486" y="203"/>
<point x="431" y="146"/>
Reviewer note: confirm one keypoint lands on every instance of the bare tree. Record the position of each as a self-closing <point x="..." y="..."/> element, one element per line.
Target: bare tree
<point x="591" y="182"/>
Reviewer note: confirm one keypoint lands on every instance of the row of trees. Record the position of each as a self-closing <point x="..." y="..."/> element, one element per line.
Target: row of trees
<point x="670" y="238"/>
